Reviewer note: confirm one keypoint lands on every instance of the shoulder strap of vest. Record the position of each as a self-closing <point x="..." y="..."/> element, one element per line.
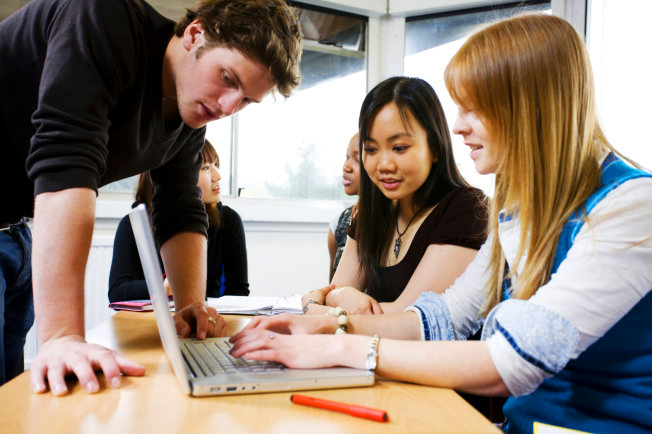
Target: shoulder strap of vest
<point x="615" y="172"/>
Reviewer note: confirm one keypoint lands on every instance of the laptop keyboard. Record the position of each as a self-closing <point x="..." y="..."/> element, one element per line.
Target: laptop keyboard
<point x="213" y="357"/>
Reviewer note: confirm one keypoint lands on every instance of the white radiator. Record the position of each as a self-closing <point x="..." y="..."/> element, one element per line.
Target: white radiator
<point x="96" y="298"/>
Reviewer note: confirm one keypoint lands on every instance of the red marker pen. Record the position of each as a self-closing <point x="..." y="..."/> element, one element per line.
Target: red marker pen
<point x="353" y="410"/>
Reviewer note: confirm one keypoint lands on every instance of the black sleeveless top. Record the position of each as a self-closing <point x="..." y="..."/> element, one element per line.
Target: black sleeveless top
<point x="459" y="219"/>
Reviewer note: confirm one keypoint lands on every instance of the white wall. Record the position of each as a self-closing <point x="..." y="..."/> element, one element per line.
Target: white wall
<point x="96" y="288"/>
<point x="286" y="259"/>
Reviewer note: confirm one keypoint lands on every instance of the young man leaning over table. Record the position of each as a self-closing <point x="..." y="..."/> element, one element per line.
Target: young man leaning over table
<point x="94" y="91"/>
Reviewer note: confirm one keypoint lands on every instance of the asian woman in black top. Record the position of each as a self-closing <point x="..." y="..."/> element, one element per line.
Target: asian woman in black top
<point x="418" y="223"/>
<point x="227" y="252"/>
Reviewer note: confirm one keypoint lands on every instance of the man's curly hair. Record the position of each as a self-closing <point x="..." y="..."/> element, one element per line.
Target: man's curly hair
<point x="267" y="31"/>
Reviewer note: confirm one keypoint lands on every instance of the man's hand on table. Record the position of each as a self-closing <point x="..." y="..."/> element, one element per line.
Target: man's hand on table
<point x="73" y="355"/>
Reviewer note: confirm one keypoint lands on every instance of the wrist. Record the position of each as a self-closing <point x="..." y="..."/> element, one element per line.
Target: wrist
<point x="341" y="350"/>
<point x="328" y="325"/>
<point x="181" y="303"/>
<point x="60" y="337"/>
<point x="53" y="326"/>
<point x="354" y="348"/>
<point x="342" y="319"/>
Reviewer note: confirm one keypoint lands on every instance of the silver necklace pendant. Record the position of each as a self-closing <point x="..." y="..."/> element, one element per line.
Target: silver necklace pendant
<point x="397" y="246"/>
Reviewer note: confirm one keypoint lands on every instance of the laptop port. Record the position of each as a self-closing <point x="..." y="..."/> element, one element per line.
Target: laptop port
<point x="231" y="388"/>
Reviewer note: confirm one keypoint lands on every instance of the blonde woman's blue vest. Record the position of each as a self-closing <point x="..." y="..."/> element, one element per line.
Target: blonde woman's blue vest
<point x="608" y="388"/>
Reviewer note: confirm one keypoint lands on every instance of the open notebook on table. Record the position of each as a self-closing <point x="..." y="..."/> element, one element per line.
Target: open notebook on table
<point x="206" y="367"/>
<point x="256" y="305"/>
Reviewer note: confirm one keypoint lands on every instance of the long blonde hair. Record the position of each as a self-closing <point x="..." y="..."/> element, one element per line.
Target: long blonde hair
<point x="529" y="80"/>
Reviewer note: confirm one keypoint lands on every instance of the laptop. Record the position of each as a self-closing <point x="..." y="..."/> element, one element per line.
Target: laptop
<point x="204" y="367"/>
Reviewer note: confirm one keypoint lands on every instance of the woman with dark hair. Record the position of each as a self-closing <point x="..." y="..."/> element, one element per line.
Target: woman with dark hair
<point x="227" y="252"/>
<point x="339" y="225"/>
<point x="419" y="224"/>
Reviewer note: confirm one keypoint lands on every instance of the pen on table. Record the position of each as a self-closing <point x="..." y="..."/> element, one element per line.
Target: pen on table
<point x="352" y="409"/>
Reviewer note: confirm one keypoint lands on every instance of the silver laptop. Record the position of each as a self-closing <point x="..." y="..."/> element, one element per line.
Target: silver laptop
<point x="205" y="367"/>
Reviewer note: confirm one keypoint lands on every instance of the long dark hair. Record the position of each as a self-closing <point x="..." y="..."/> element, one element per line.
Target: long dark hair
<point x="209" y="154"/>
<point x="145" y="188"/>
<point x="377" y="214"/>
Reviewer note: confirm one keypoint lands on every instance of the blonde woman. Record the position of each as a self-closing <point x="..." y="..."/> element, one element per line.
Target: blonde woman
<point x="563" y="283"/>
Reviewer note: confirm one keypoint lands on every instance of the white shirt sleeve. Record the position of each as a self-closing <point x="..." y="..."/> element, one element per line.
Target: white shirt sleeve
<point x="609" y="267"/>
<point x="454" y="314"/>
<point x="465" y="297"/>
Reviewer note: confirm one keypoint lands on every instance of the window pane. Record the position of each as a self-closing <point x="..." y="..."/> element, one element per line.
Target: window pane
<point x="430" y="43"/>
<point x="127" y="185"/>
<point x="295" y="148"/>
<point x="219" y="134"/>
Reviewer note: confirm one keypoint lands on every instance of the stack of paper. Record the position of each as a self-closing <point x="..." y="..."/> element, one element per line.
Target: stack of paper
<point x="256" y="305"/>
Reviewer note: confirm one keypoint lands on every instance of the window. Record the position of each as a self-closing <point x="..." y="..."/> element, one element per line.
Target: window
<point x="219" y="135"/>
<point x="295" y="148"/>
<point x="431" y="41"/>
<point x="127" y="185"/>
<point x="614" y="30"/>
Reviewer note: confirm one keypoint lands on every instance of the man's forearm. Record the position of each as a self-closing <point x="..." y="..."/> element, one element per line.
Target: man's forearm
<point x="63" y="229"/>
<point x="184" y="257"/>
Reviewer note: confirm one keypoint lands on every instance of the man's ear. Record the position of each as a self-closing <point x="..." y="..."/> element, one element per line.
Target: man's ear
<point x="193" y="35"/>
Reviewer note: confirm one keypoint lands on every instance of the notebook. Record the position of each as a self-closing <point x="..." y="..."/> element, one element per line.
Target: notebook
<point x="223" y="374"/>
<point x="256" y="305"/>
<point x="135" y="305"/>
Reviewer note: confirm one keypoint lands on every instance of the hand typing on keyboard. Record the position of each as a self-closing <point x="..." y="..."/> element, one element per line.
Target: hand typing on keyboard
<point x="213" y="358"/>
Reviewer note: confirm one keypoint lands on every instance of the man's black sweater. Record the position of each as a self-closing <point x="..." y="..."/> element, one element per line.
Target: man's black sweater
<point x="81" y="106"/>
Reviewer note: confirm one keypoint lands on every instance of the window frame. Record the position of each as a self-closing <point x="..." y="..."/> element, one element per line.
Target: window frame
<point x="385" y="45"/>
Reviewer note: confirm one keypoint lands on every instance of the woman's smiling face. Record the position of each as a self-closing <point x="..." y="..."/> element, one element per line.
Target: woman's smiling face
<point x="396" y="155"/>
<point x="209" y="182"/>
<point x="484" y="151"/>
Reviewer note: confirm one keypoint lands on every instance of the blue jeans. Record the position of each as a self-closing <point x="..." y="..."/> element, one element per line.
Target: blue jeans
<point x="16" y="303"/>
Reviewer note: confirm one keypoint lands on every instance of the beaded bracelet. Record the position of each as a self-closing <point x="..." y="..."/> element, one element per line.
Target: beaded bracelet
<point x="342" y="319"/>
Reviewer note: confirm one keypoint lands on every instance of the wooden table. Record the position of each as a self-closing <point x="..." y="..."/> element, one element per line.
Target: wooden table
<point x="155" y="403"/>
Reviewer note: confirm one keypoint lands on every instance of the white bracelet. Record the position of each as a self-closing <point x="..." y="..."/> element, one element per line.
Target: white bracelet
<point x="372" y="354"/>
<point x="342" y="319"/>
